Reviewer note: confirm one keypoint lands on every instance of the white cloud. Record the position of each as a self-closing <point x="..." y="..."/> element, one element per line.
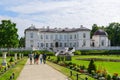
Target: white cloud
<point x="62" y="13"/>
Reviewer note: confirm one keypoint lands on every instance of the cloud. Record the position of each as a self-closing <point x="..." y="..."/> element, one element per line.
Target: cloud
<point x="39" y="6"/>
<point x="60" y="13"/>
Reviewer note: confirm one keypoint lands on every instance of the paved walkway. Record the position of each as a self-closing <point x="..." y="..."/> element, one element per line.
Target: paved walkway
<point x="40" y="72"/>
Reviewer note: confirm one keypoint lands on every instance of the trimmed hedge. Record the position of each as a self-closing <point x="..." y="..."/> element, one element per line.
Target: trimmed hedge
<point x="100" y="52"/>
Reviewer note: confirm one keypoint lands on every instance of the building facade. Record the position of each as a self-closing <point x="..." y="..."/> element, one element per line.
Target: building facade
<point x="100" y="39"/>
<point x="47" y="38"/>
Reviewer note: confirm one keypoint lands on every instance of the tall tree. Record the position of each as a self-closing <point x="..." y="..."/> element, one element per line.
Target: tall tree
<point x="94" y="28"/>
<point x="22" y="42"/>
<point x="8" y="34"/>
<point x="113" y="31"/>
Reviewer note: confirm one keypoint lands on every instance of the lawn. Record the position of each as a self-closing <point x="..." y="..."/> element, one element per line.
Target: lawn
<point x="16" y="69"/>
<point x="111" y="67"/>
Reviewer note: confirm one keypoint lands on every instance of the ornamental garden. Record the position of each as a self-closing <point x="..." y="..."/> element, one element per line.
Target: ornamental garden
<point x="83" y="65"/>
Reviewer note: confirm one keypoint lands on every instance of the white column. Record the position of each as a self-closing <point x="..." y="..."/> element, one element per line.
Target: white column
<point x="4" y="62"/>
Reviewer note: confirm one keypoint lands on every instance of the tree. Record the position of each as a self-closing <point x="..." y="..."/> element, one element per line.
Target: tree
<point x="22" y="42"/>
<point x="91" y="66"/>
<point x="94" y="28"/>
<point x="8" y="34"/>
<point x="113" y="31"/>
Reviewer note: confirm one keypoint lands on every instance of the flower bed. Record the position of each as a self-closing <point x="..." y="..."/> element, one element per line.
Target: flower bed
<point x="100" y="74"/>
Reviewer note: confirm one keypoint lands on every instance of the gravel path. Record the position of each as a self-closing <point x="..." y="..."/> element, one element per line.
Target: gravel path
<point x="40" y="72"/>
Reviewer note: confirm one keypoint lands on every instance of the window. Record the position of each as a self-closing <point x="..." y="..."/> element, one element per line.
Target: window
<point x="38" y="45"/>
<point x="51" y="44"/>
<point x="84" y="43"/>
<point x="65" y="44"/>
<point x="102" y="43"/>
<point x="56" y="36"/>
<point x="84" y="35"/>
<point x="74" y="44"/>
<point x="41" y="44"/>
<point x="70" y="44"/>
<point x="31" y="46"/>
<point x="60" y="44"/>
<point x="41" y="36"/>
<point x="46" y="36"/>
<point x="61" y="37"/>
<point x="70" y="36"/>
<point x="75" y="36"/>
<point x="31" y="35"/>
<point x="51" y="37"/>
<point x="65" y="37"/>
<point x="46" y="44"/>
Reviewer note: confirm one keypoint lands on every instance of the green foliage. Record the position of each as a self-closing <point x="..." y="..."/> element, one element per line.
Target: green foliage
<point x="8" y="34"/>
<point x="11" y="59"/>
<point x="22" y="42"/>
<point x="113" y="30"/>
<point x="91" y="66"/>
<point x="94" y="28"/>
<point x="108" y="77"/>
<point x="77" y="52"/>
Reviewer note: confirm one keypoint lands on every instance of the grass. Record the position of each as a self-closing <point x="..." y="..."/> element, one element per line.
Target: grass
<point x="66" y="71"/>
<point x="111" y="67"/>
<point x="16" y="69"/>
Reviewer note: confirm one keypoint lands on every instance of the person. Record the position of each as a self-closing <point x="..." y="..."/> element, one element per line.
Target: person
<point x="30" y="56"/>
<point x="34" y="58"/>
<point x="37" y="56"/>
<point x="41" y="58"/>
<point x="44" y="58"/>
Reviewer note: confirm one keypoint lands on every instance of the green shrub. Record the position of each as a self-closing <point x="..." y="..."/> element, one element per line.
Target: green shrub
<point x="77" y="52"/>
<point x="91" y="66"/>
<point x="11" y="59"/>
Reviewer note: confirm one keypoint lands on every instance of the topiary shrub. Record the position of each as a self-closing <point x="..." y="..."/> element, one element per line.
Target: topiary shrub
<point x="11" y="60"/>
<point x="91" y="66"/>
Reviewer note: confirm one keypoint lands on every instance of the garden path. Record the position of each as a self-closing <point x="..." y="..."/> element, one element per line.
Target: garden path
<point x="40" y="72"/>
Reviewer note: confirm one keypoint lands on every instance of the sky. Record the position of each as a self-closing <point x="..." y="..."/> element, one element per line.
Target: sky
<point x="59" y="13"/>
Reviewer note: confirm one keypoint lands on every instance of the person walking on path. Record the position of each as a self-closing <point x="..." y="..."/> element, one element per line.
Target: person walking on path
<point x="44" y="58"/>
<point x="41" y="58"/>
<point x="37" y="57"/>
<point x="34" y="58"/>
<point x="30" y="56"/>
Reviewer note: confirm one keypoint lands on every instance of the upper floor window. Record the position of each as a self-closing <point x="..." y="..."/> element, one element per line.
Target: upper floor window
<point x="65" y="37"/>
<point x="61" y="37"/>
<point x="51" y="37"/>
<point x="41" y="36"/>
<point x="31" y="35"/>
<point x="70" y="36"/>
<point x="75" y="36"/>
<point x="84" y="35"/>
<point x="46" y="36"/>
<point x="56" y="36"/>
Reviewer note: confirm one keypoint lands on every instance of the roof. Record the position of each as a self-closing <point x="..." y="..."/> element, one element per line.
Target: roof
<point x="58" y="30"/>
<point x="101" y="32"/>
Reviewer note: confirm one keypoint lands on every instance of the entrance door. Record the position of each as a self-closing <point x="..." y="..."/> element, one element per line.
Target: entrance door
<point x="56" y="44"/>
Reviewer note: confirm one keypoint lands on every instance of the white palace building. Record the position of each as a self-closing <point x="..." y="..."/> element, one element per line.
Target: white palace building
<point x="48" y="38"/>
